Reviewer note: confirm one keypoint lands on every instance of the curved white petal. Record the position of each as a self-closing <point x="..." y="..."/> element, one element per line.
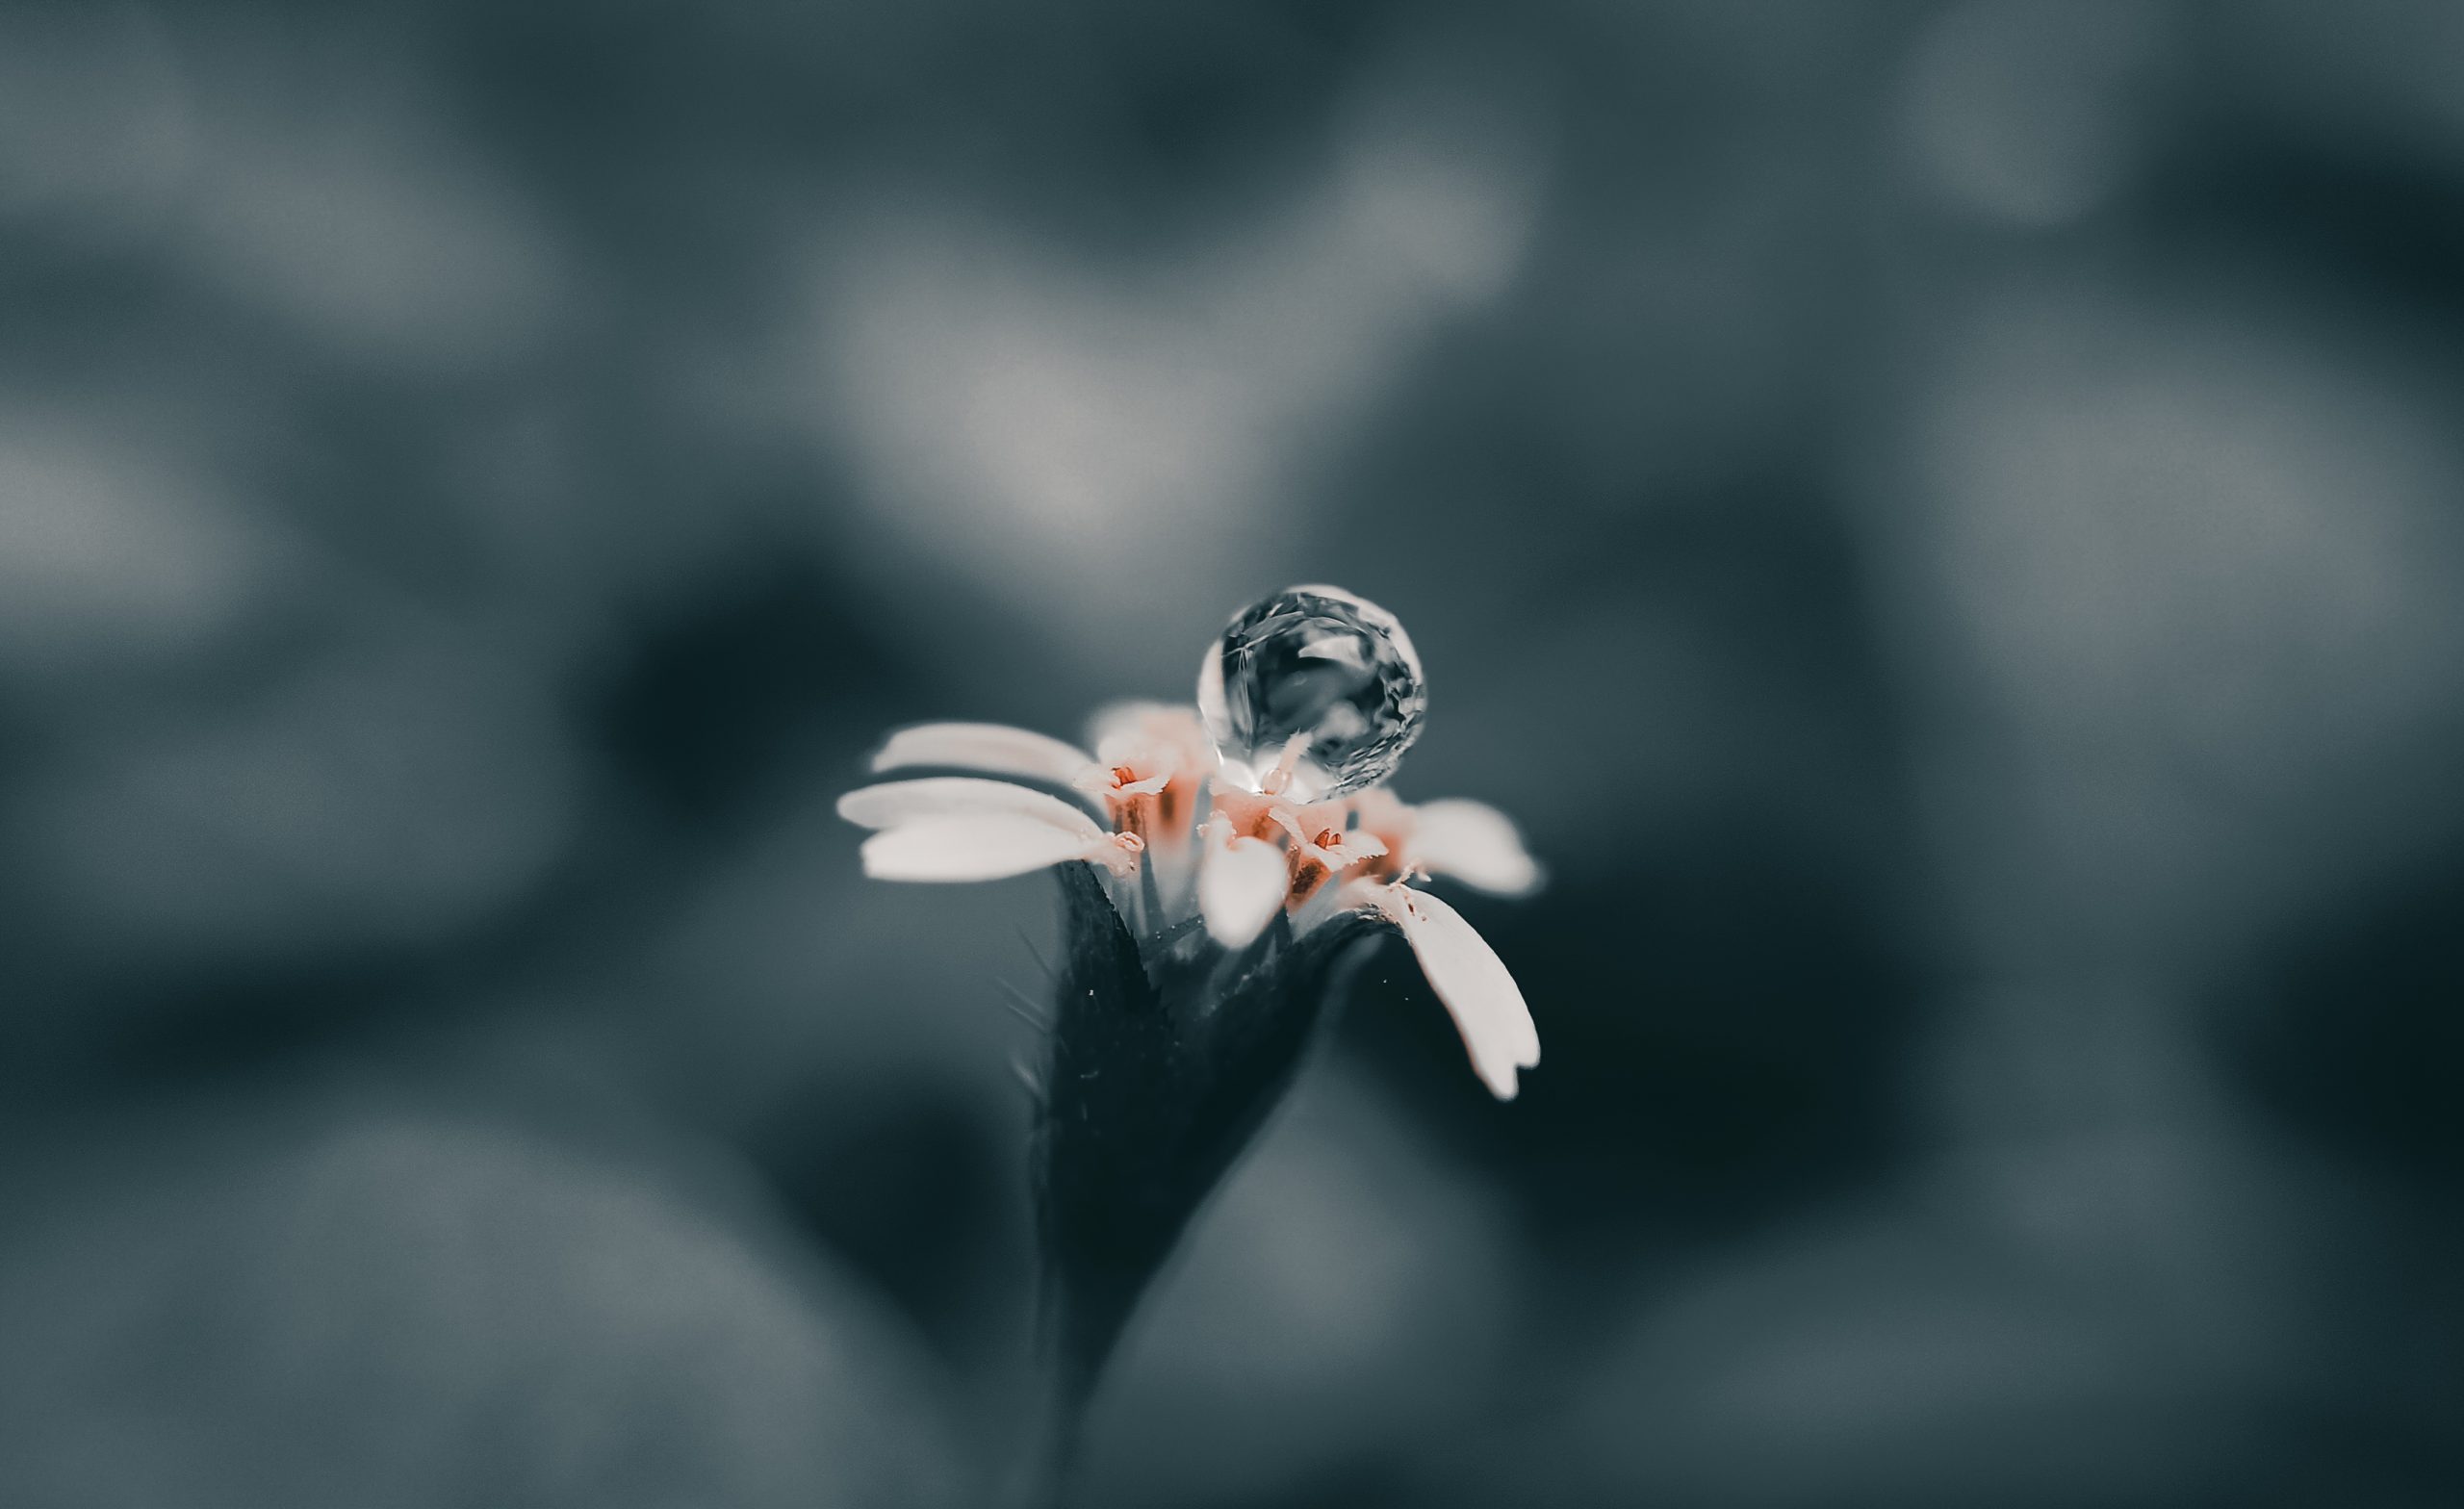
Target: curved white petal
<point x="992" y="747"/>
<point x="896" y="803"/>
<point x="979" y="847"/>
<point x="1474" y="843"/>
<point x="1473" y="983"/>
<point x="1240" y="885"/>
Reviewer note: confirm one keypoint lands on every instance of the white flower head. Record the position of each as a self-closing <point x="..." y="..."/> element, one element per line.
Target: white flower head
<point x="1193" y="861"/>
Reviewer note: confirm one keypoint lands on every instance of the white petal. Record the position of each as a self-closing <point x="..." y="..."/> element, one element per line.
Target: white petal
<point x="897" y="803"/>
<point x="992" y="747"/>
<point x="982" y="847"/>
<point x="1474" y="843"/>
<point x="1240" y="885"/>
<point x="1474" y="985"/>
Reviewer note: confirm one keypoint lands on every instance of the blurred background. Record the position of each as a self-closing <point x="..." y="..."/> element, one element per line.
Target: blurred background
<point x="1941" y="519"/>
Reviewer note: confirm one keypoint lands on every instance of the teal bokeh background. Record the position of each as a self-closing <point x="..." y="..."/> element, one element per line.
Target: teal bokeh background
<point x="1941" y="521"/>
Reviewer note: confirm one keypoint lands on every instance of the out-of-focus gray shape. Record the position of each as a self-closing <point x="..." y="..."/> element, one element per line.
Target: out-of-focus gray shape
<point x="2023" y="111"/>
<point x="390" y="792"/>
<point x="387" y="1306"/>
<point x="2176" y="587"/>
<point x="2376" y="77"/>
<point x="1098" y="445"/>
<point x="2131" y="1316"/>
<point x="96" y="134"/>
<point x="1347" y="1300"/>
<point x="329" y="191"/>
<point x="115" y="549"/>
<point x="788" y="971"/>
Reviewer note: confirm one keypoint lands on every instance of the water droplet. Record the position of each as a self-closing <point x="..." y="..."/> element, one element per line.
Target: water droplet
<point x="1311" y="691"/>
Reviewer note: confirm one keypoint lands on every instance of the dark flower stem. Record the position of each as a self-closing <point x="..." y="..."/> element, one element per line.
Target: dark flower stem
<point x="1165" y="1061"/>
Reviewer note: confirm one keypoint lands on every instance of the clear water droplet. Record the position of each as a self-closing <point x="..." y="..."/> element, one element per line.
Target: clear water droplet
<point x="1318" y="678"/>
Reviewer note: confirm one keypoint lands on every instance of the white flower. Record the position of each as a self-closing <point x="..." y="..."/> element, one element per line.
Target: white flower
<point x="1234" y="862"/>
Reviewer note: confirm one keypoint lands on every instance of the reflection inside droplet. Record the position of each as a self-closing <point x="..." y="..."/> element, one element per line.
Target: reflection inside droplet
<point x="1312" y="692"/>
